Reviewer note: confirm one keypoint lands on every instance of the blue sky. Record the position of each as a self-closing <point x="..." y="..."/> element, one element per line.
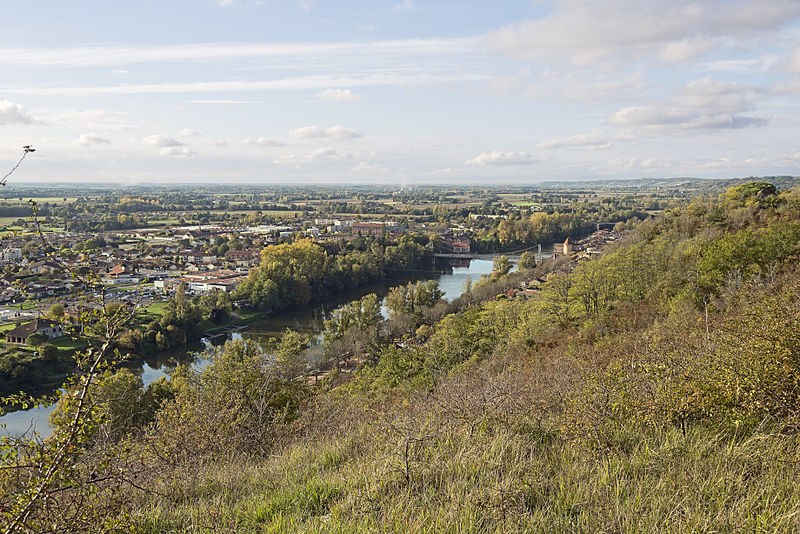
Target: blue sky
<point x="399" y="92"/>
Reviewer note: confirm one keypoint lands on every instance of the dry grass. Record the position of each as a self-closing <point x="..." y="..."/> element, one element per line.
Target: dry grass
<point x="453" y="462"/>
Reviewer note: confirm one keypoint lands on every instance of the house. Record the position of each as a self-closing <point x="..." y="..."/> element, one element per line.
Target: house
<point x="367" y="228"/>
<point x="243" y="258"/>
<point x="46" y="327"/>
<point x="460" y="246"/>
<point x="121" y="271"/>
<point x="44" y="266"/>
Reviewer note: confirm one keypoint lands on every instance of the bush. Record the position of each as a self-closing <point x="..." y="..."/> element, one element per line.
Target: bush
<point x="34" y="340"/>
<point x="48" y="352"/>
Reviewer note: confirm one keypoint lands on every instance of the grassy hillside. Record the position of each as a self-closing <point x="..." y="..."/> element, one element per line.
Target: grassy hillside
<point x="653" y="389"/>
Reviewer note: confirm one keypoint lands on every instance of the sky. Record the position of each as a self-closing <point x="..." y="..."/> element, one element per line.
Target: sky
<point x="398" y="92"/>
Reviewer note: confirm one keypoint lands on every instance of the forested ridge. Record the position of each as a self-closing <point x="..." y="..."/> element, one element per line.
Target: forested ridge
<point x="654" y="388"/>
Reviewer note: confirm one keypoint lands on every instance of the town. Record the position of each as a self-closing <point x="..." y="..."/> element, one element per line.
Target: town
<point x="144" y="266"/>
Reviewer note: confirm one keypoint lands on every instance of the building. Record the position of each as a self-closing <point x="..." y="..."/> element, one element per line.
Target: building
<point x="460" y="246"/>
<point x="44" y="267"/>
<point x="243" y="258"/>
<point x="568" y="246"/>
<point x="206" y="282"/>
<point x="46" y="327"/>
<point x="122" y="271"/>
<point x="367" y="228"/>
<point x="11" y="254"/>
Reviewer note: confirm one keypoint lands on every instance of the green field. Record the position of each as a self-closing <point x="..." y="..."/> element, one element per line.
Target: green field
<point x="67" y="344"/>
<point x="156" y="308"/>
<point x="22" y="306"/>
<point x="38" y="200"/>
<point x="7" y="327"/>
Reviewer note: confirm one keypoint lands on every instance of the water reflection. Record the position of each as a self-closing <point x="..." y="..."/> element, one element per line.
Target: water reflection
<point x="308" y="320"/>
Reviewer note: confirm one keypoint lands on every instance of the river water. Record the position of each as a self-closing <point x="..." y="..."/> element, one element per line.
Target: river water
<point x="308" y="320"/>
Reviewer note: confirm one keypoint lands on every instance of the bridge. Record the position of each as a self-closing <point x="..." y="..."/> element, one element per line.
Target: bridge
<point x="475" y="256"/>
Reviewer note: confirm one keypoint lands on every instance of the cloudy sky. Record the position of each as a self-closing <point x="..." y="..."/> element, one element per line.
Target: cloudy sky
<point x="399" y="92"/>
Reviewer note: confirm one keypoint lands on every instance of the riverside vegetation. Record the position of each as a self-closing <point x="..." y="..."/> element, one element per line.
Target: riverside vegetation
<point x="654" y="388"/>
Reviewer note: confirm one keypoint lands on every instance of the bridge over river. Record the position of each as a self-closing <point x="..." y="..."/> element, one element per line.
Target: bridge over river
<point x="514" y="254"/>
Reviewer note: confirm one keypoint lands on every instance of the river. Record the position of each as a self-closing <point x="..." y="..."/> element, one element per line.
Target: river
<point x="308" y="320"/>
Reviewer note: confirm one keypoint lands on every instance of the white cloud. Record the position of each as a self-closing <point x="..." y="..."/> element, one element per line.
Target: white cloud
<point x="793" y="63"/>
<point x="161" y="140"/>
<point x="366" y="27"/>
<point x="653" y="163"/>
<point x="572" y="86"/>
<point x="587" y="141"/>
<point x="683" y="50"/>
<point x="746" y="65"/>
<point x="334" y="133"/>
<point x="502" y="158"/>
<point x="306" y="5"/>
<point x="445" y="171"/>
<point x="339" y="95"/>
<point x="11" y="113"/>
<point x="320" y="154"/>
<point x="224" y="101"/>
<point x="704" y="104"/>
<point x="787" y="87"/>
<point x="177" y="151"/>
<point x="263" y="141"/>
<point x="372" y="79"/>
<point x="716" y="164"/>
<point x="306" y="132"/>
<point x="90" y="139"/>
<point x="324" y="153"/>
<point x="363" y="166"/>
<point x="509" y="83"/>
<point x="87" y="119"/>
<point x="584" y="33"/>
<point x="112" y="56"/>
<point x="190" y="132"/>
<point x="340" y="133"/>
<point x="405" y="5"/>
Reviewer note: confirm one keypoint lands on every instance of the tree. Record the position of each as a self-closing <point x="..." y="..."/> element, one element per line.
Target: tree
<point x="67" y="476"/>
<point x="527" y="260"/>
<point x="48" y="352"/>
<point x="56" y="312"/>
<point x="751" y="192"/>
<point x="362" y="313"/>
<point x="501" y="266"/>
<point x="411" y="298"/>
<point x="288" y="353"/>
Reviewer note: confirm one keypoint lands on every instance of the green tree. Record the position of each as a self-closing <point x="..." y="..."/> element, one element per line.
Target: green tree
<point x="501" y="266"/>
<point x="56" y="312"/>
<point x="289" y="353"/>
<point x="48" y="352"/>
<point x="527" y="260"/>
<point x="413" y="297"/>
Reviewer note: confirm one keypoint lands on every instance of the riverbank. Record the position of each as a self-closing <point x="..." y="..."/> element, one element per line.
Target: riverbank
<point x="262" y="327"/>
